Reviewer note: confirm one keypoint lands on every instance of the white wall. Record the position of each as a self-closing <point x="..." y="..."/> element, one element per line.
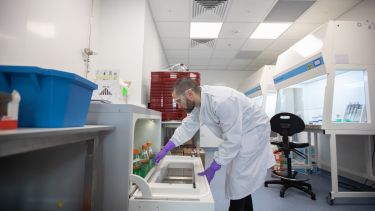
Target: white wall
<point x="118" y="37"/>
<point x="45" y="33"/>
<point x="228" y="78"/>
<point x="153" y="54"/>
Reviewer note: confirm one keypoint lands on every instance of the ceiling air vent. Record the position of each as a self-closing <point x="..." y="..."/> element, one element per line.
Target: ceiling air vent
<point x="217" y="7"/>
<point x="205" y="42"/>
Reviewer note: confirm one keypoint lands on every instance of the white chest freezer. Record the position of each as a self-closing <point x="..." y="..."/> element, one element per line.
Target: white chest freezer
<point x="171" y="185"/>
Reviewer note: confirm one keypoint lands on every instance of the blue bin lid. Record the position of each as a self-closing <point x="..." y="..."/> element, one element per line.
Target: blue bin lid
<point x="48" y="72"/>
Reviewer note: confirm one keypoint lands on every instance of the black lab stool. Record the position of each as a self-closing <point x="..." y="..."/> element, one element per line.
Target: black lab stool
<point x="287" y="124"/>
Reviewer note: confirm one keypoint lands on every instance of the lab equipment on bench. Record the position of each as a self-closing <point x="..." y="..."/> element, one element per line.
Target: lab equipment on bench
<point x="259" y="86"/>
<point x="328" y="78"/>
<point x="170" y="185"/>
<point x="50" y="98"/>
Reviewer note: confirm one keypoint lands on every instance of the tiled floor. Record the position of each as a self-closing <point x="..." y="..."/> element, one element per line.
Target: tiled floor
<point x="267" y="199"/>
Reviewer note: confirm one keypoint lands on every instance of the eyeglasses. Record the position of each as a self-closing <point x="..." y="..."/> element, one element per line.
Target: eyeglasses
<point x="179" y="99"/>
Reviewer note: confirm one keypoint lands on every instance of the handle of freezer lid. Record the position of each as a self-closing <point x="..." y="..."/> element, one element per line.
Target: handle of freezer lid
<point x="142" y="185"/>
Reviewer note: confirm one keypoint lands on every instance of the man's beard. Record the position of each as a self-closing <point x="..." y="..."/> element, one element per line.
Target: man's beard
<point x="190" y="105"/>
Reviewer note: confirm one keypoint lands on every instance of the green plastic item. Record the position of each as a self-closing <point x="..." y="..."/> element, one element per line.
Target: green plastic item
<point x="144" y="170"/>
<point x="124" y="91"/>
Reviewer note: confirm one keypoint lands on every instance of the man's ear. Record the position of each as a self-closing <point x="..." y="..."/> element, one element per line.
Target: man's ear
<point x="189" y="93"/>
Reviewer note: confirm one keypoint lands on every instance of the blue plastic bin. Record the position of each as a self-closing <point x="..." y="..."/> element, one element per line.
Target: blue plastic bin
<point x="49" y="98"/>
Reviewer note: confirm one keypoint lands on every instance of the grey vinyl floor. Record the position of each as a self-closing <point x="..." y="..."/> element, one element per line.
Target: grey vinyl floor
<point x="268" y="199"/>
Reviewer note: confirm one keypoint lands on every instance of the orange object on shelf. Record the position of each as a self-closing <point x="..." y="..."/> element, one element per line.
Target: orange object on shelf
<point x="144" y="154"/>
<point x="135" y="151"/>
<point x="149" y="149"/>
<point x="8" y="124"/>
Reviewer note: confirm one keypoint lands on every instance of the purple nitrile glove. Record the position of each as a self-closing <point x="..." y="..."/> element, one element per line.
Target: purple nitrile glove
<point x="168" y="147"/>
<point x="210" y="171"/>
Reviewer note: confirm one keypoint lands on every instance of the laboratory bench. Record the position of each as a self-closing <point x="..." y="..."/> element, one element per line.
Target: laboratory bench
<point x="51" y="168"/>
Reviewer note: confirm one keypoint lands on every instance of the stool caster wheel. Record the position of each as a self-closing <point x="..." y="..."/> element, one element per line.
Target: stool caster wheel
<point x="330" y="200"/>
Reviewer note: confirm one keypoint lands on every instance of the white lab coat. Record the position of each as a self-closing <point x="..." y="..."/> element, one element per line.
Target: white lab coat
<point x="245" y="129"/>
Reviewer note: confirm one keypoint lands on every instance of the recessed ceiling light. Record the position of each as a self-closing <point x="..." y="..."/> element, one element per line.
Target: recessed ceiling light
<point x="205" y="30"/>
<point x="269" y="30"/>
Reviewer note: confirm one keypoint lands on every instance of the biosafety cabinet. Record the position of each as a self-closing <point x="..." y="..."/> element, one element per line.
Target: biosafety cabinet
<point x="260" y="87"/>
<point x="328" y="79"/>
<point x="173" y="184"/>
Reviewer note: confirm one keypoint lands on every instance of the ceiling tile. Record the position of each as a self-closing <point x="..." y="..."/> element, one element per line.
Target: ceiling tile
<point x="237" y="30"/>
<point x="299" y="30"/>
<point x="249" y="10"/>
<point x="240" y="62"/>
<point x="217" y="67"/>
<point x="244" y="67"/>
<point x="254" y="67"/>
<point x="216" y="70"/>
<point x="196" y="61"/>
<point x="263" y="62"/>
<point x="181" y="60"/>
<point x="269" y="55"/>
<point x="249" y="55"/>
<point x="288" y="11"/>
<point x="256" y="44"/>
<point x="281" y="44"/>
<point x="204" y="53"/>
<point x="325" y="10"/>
<point x="170" y="10"/>
<point x="219" y="62"/>
<point x="224" y="53"/>
<point x="174" y="29"/>
<point x="197" y="67"/>
<point x="229" y="44"/>
<point x="176" y="53"/>
<point x="175" y="43"/>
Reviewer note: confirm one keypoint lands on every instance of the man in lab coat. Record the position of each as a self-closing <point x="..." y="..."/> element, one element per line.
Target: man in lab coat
<point x="242" y="125"/>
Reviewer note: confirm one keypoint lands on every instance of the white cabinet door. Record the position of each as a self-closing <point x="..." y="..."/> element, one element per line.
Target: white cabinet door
<point x="208" y="139"/>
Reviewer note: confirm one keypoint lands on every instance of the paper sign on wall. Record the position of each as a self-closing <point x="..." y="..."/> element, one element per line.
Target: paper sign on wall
<point x="108" y="86"/>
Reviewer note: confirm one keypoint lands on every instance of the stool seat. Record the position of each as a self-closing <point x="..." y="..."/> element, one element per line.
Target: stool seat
<point x="292" y="145"/>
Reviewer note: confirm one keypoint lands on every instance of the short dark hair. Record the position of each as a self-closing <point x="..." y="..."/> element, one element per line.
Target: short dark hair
<point x="183" y="84"/>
